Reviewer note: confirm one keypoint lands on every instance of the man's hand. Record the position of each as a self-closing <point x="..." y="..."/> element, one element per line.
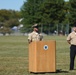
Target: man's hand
<point x="68" y="41"/>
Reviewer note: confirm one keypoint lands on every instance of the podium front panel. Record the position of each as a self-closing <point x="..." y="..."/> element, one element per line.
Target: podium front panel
<point x="42" y="56"/>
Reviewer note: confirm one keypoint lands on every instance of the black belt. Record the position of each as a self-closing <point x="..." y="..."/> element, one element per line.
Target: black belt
<point x="73" y="45"/>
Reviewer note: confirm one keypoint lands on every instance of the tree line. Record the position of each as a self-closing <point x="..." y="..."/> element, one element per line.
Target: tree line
<point x="49" y="14"/>
<point x="8" y="19"/>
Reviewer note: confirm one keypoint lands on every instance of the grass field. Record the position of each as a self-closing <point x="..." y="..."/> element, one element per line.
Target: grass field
<point x="14" y="55"/>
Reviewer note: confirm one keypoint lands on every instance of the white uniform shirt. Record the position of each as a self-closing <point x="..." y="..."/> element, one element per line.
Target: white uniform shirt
<point x="34" y="36"/>
<point x="72" y="38"/>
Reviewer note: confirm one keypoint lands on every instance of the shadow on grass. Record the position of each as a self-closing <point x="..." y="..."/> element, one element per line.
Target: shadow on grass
<point x="61" y="71"/>
<point x="57" y="71"/>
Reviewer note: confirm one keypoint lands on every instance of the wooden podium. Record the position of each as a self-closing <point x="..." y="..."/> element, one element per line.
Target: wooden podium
<point x="42" y="56"/>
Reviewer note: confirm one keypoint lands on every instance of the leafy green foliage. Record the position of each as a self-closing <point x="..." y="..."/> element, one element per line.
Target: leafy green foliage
<point x="53" y="11"/>
<point x="43" y="12"/>
<point x="8" y="19"/>
<point x="72" y="10"/>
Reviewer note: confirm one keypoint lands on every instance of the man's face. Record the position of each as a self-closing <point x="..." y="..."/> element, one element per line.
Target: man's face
<point x="74" y="29"/>
<point x="36" y="29"/>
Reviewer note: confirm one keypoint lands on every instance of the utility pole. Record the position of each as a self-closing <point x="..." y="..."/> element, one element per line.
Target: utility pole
<point x="57" y="29"/>
<point x="41" y="28"/>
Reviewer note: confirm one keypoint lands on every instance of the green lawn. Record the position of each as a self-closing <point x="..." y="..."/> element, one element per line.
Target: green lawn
<point x="14" y="55"/>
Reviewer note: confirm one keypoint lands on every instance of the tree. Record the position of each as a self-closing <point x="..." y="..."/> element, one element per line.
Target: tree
<point x="5" y="30"/>
<point x="31" y="13"/>
<point x="72" y="11"/>
<point x="53" y="10"/>
<point x="46" y="12"/>
<point x="8" y="19"/>
<point x="4" y="15"/>
<point x="11" y="23"/>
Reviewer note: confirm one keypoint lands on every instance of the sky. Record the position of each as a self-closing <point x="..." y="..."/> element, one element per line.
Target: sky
<point x="12" y="4"/>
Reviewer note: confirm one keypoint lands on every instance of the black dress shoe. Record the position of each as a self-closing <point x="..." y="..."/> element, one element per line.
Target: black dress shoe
<point x="71" y="69"/>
